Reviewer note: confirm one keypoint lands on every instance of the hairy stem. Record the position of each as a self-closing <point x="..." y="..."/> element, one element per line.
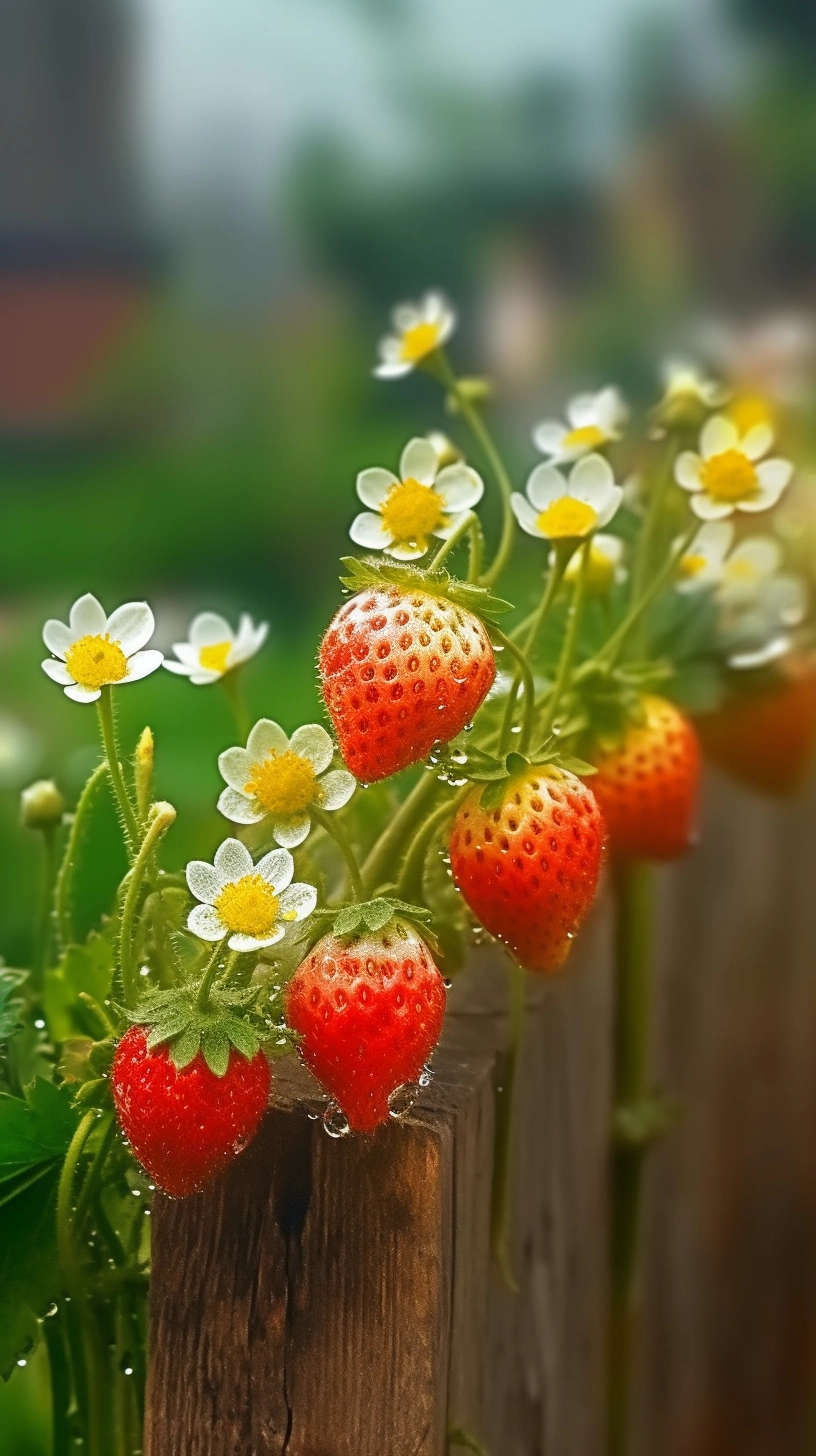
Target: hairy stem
<point x="410" y="878"/>
<point x="613" y="647"/>
<point x="233" y="688"/>
<point x="107" y="727"/>
<point x="388" y="849"/>
<point x="46" y="909"/>
<point x="563" y="553"/>
<point x="335" y="830"/>
<point x="210" y="972"/>
<point x="570" y="639"/>
<point x="525" y="673"/>
<point x="65" y="874"/>
<point x="464" y="528"/>
<point x="161" y="817"/>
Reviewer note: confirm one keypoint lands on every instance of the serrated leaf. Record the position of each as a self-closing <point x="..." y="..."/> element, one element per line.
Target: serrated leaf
<point x="376" y="914"/>
<point x="35" y="1128"/>
<point x="186" y="1047"/>
<point x="86" y="968"/>
<point x="11" y="1006"/>
<point x="30" y="1276"/>
<point x="368" y="572"/>
<point x="215" y="1047"/>
<point x="243" y="1037"/>
<point x="348" y="920"/>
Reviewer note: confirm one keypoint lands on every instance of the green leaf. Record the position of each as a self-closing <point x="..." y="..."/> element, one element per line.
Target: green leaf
<point x="242" y="1036"/>
<point x="34" y="1129"/>
<point x="348" y="920"/>
<point x="215" y="1046"/>
<point x="86" y="968"/>
<point x="11" y="1006"/>
<point x="30" y="1276"/>
<point x="577" y="766"/>
<point x="377" y="914"/>
<point x="492" y="795"/>
<point x="369" y="572"/>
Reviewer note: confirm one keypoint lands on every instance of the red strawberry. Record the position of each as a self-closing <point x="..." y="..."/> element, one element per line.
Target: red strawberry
<point x="369" y="1009"/>
<point x="647" y="787"/>
<point x="766" y="737"/>
<point x="185" y="1127"/>
<point x="401" y="670"/>
<point x="529" y="868"/>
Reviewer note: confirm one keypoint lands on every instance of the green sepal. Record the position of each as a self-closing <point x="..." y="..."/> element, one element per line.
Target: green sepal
<point x="360" y="573"/>
<point x="373" y="915"/>
<point x="175" y="1019"/>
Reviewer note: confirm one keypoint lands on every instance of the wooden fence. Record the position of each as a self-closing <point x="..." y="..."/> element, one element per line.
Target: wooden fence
<point x="337" y="1298"/>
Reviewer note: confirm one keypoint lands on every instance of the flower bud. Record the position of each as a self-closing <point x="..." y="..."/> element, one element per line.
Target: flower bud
<point x="476" y="390"/>
<point x="41" y="805"/>
<point x="143" y="771"/>
<point x="446" y="451"/>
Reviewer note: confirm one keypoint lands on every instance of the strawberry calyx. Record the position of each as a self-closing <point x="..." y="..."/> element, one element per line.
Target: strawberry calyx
<point x="373" y="915"/>
<point x="360" y="573"/>
<point x="228" y="1018"/>
<point x="606" y="701"/>
<point x="459" y="766"/>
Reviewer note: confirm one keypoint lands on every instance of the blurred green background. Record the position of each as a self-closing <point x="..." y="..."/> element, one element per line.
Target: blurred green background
<point x="206" y="210"/>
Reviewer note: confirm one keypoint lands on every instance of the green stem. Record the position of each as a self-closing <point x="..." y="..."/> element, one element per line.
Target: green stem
<point x="210" y="973"/>
<point x="570" y="638"/>
<point x="613" y="646"/>
<point x="525" y="673"/>
<point x="410" y="877"/>
<point x="504" y="1135"/>
<point x="651" y="521"/>
<point x="463" y="529"/>
<point x="94" y="1175"/>
<point x="162" y="816"/>
<point x="633" y="953"/>
<point x="65" y="874"/>
<point x="59" y="1371"/>
<point x="44" y="918"/>
<point x="330" y="823"/>
<point x="485" y="440"/>
<point x="388" y="848"/>
<point x="459" y="1436"/>
<point x="107" y="727"/>
<point x="233" y="689"/>
<point x="563" y="553"/>
<point x="65" y="1188"/>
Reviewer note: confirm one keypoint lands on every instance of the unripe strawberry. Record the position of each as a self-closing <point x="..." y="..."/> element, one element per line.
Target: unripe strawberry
<point x="186" y="1126"/>
<point x="401" y="670"/>
<point x="766" y="737"/>
<point x="647" y="787"/>
<point x="528" y="868"/>
<point x="369" y="1009"/>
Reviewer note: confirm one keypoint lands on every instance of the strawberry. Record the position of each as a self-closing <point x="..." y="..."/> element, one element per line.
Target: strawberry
<point x="186" y="1126"/>
<point x="647" y="786"/>
<point x="401" y="669"/>
<point x="528" y="867"/>
<point x="765" y="735"/>
<point x="369" y="1009"/>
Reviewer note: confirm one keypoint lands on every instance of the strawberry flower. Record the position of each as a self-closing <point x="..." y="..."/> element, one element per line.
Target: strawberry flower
<point x="421" y="501"/>
<point x="557" y="509"/>
<point x="93" y="650"/>
<point x="685" y="381"/>
<point x="419" y="330"/>
<point x="213" y="649"/>
<point x="702" y="564"/>
<point x="282" y="778"/>
<point x="605" y="568"/>
<point x="250" y="903"/>
<point x="593" y="420"/>
<point x="729" y="473"/>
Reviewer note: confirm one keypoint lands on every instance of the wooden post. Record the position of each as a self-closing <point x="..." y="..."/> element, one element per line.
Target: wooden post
<point x="337" y="1297"/>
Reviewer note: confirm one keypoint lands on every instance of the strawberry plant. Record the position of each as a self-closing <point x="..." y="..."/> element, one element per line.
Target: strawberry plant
<point x="517" y="738"/>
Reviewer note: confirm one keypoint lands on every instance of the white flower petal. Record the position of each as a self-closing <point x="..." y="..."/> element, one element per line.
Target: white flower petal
<point x="57" y="637"/>
<point x="249" y="641"/>
<point x="182" y="669"/>
<point x="298" y="901"/>
<point x="713" y="541"/>
<point x="236" y="807"/>
<point x="687" y="469"/>
<point x="758" y="441"/>
<point x="771" y="652"/>
<point x="393" y="370"/>
<point x="57" y="671"/>
<point x="403" y="551"/>
<point x="314" y="744"/>
<point x="419" y="461"/>
<point x="203" y="880"/>
<point x="251" y="942"/>
<point x="141" y="664"/>
<point x="613" y="500"/>
<point x="718" y="434"/>
<point x="208" y="628"/>
<point x="459" y="486"/>
<point x="277" y="868"/>
<point x="235" y="767"/>
<point x="374" y="485"/>
<point x="132" y="626"/>
<point x="405" y="316"/>
<point x="548" y="437"/>
<point x="593" y="482"/>
<point x="266" y="737"/>
<point x="774" y="474"/>
<point x="450" y="524"/>
<point x="525" y="515"/>
<point x="581" y="410"/>
<point x="707" y="509"/>
<point x="545" y="485"/>
<point x="291" y="831"/>
<point x="611" y="410"/>
<point x="368" y="530"/>
<point x="336" y="788"/>
<point x="232" y="861"/>
<point x="761" y="554"/>
<point x="87" y="617"/>
<point x="763" y="499"/>
<point x="80" y="694"/>
<point x="206" y="923"/>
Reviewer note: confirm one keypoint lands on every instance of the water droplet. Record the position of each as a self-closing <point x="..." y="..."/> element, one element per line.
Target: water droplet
<point x="145" y="971"/>
<point x="447" y="984"/>
<point x="426" y="1076"/>
<point x="402" y="1100"/>
<point x="335" y="1122"/>
<point x="51" y="1311"/>
<point x="125" y="1364"/>
<point x="468" y="728"/>
<point x="516" y="728"/>
<point x="459" y="757"/>
<point x="22" y="1363"/>
<point x="363" y="786"/>
<point x="39" y="1023"/>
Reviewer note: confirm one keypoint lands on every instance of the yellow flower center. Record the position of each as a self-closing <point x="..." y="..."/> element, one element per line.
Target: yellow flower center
<point x="586" y="437"/>
<point x="691" y="565"/>
<point x="248" y="906"/>
<point x="741" y="571"/>
<point x="729" y="476"/>
<point x="214" y="657"/>
<point x="411" y="511"/>
<point x="94" y="661"/>
<point x="283" y="783"/>
<point x="749" y="410"/>
<point x="422" y="339"/>
<point x="566" y="517"/>
<point x="600" y="574"/>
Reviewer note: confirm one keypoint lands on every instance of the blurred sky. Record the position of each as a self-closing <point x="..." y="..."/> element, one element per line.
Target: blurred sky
<point x="233" y="86"/>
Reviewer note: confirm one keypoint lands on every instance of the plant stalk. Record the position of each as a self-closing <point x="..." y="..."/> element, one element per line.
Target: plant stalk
<point x="505" y="1128"/>
<point x="335" y="830"/>
<point x="65" y="874"/>
<point x="107" y="727"/>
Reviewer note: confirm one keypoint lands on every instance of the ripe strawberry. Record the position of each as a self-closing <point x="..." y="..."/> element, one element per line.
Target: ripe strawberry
<point x="766" y="737"/>
<point x="528" y="869"/>
<point x="647" y="787"/>
<point x="401" y="670"/>
<point x="185" y="1127"/>
<point x="369" y="1009"/>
